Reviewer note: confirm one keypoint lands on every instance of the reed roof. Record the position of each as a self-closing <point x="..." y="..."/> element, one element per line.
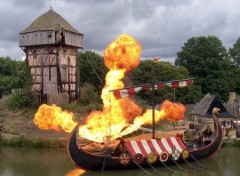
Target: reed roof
<point x="205" y="106"/>
<point x="49" y="21"/>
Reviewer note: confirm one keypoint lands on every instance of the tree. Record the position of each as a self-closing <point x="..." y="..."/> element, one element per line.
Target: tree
<point x="13" y="75"/>
<point x="92" y="69"/>
<point x="163" y="71"/>
<point x="201" y="54"/>
<point x="207" y="60"/>
<point x="7" y="66"/>
<point x="236" y="73"/>
<point x="235" y="52"/>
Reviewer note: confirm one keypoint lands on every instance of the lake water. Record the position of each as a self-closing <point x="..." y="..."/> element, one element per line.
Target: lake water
<point x="54" y="162"/>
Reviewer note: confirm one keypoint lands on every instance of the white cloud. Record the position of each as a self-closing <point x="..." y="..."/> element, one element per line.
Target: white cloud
<point x="161" y="26"/>
<point x="2" y="52"/>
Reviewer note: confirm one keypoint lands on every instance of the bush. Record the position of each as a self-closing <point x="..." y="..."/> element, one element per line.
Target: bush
<point x="88" y="94"/>
<point x="82" y="109"/>
<point x="90" y="107"/>
<point x="236" y="142"/>
<point x="25" y="99"/>
<point x="5" y="102"/>
<point x="231" y="142"/>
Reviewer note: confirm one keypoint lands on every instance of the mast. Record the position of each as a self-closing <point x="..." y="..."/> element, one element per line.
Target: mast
<point x="153" y="97"/>
<point x="153" y="107"/>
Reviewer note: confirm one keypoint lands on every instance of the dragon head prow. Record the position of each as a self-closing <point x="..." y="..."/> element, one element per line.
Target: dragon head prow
<point x="215" y="110"/>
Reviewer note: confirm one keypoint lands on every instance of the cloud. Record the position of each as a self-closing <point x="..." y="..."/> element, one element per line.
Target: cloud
<point x="161" y="26"/>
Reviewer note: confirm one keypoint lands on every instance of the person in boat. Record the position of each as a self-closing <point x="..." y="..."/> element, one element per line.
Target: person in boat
<point x="228" y="126"/>
<point x="200" y="139"/>
<point x="233" y="124"/>
<point x="223" y="124"/>
<point x="206" y="136"/>
<point x="120" y="148"/>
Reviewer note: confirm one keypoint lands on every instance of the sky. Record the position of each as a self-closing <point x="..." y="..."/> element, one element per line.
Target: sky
<point x="161" y="26"/>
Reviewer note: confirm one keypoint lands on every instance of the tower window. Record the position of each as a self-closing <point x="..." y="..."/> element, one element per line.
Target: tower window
<point x="49" y="35"/>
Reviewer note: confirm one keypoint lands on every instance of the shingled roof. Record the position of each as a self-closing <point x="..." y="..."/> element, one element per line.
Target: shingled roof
<point x="205" y="106"/>
<point x="49" y="21"/>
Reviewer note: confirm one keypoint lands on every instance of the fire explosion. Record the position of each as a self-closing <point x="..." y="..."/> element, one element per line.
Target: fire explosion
<point x="118" y="117"/>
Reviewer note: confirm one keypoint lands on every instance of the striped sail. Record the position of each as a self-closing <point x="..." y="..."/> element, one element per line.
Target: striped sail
<point x="145" y="147"/>
<point x="122" y="93"/>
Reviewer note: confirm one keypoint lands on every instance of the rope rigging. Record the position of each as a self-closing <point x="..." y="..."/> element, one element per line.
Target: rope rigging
<point x="95" y="71"/>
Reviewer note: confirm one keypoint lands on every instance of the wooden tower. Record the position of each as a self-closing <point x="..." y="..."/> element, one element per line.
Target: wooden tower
<point x="51" y="45"/>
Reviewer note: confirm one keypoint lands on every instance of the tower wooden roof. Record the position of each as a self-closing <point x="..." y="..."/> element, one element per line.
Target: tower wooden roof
<point x="49" y="21"/>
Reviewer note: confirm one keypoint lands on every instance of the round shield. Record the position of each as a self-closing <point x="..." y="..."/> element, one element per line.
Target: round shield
<point x="185" y="154"/>
<point x="124" y="158"/>
<point x="163" y="156"/>
<point x="152" y="157"/>
<point x="176" y="155"/>
<point x="138" y="158"/>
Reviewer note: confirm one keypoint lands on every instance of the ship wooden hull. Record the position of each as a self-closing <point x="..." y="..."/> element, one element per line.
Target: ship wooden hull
<point x="88" y="161"/>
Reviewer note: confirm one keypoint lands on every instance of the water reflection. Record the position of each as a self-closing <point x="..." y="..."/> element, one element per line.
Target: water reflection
<point x="213" y="170"/>
<point x="228" y="159"/>
<point x="75" y="172"/>
<point x="37" y="162"/>
<point x="80" y="172"/>
<point x="54" y="162"/>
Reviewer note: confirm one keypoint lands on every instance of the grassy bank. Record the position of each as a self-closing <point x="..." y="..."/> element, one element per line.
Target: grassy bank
<point x="20" y="130"/>
<point x="231" y="142"/>
<point x="21" y="141"/>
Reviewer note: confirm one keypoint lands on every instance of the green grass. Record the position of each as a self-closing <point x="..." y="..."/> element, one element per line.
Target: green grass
<point x="1" y="120"/>
<point x="231" y="142"/>
<point x="34" y="143"/>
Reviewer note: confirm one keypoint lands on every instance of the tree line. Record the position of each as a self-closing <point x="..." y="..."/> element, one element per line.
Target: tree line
<point x="215" y="69"/>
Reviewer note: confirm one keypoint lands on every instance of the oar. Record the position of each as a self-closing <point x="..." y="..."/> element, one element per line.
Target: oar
<point x="186" y="160"/>
<point x="167" y="167"/>
<point x="142" y="168"/>
<point x="188" y="163"/>
<point x="176" y="163"/>
<point x="197" y="161"/>
<point x="103" y="164"/>
<point x="153" y="167"/>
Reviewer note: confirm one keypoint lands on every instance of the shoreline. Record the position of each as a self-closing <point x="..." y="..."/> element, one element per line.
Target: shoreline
<point x="54" y="141"/>
<point x="19" y="140"/>
<point x="20" y="131"/>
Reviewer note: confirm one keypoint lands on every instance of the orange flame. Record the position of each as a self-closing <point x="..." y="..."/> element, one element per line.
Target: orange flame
<point x="123" y="53"/>
<point x="121" y="117"/>
<point x="53" y="118"/>
<point x="118" y="117"/>
<point x="170" y="111"/>
<point x="173" y="111"/>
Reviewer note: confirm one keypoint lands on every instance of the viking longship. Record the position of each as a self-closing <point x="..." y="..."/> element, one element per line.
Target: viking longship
<point x="145" y="153"/>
